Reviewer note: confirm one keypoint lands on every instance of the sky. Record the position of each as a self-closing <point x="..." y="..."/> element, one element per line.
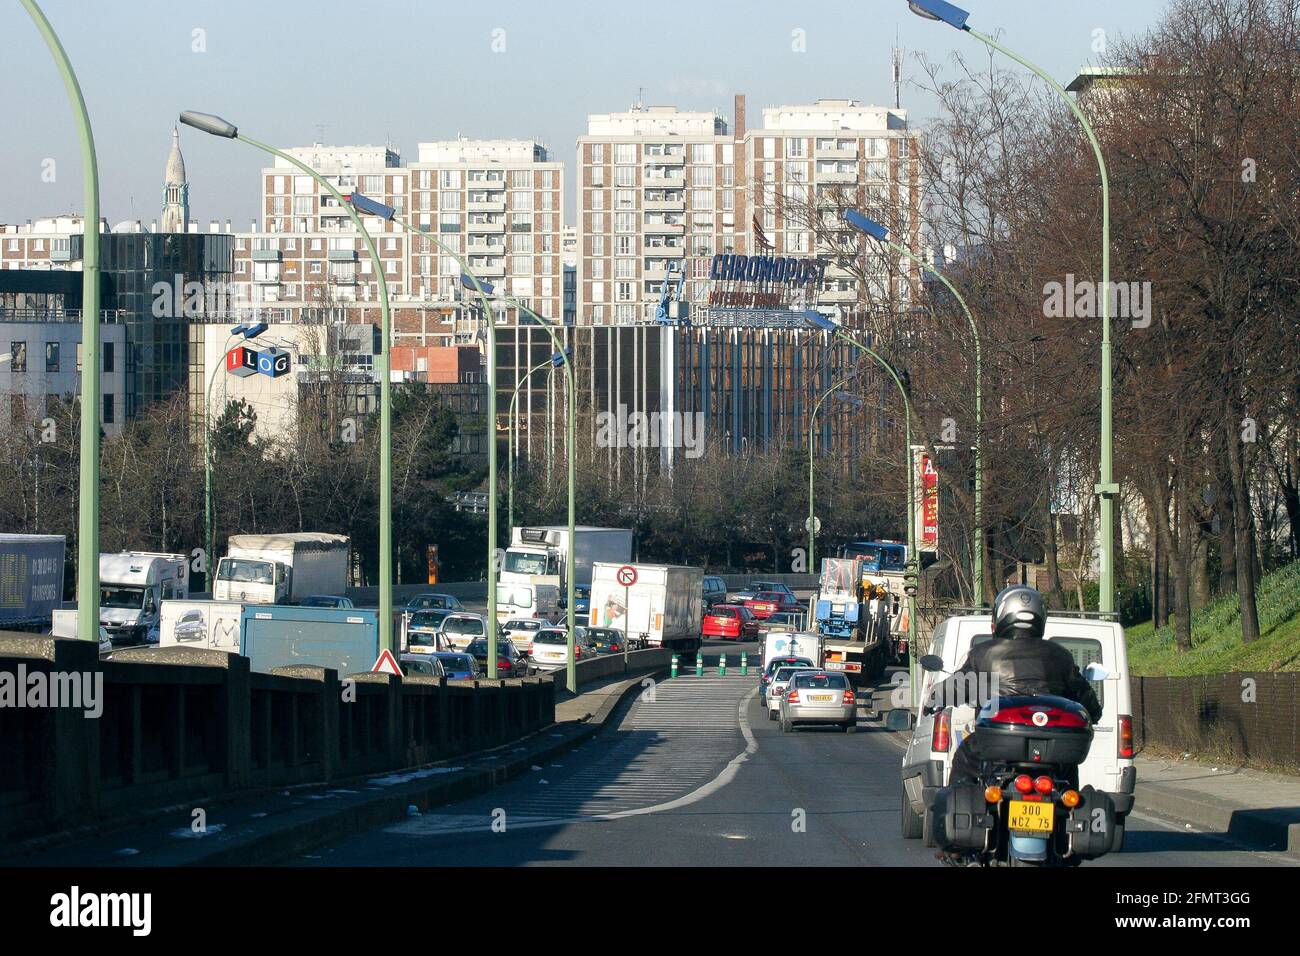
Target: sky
<point x="293" y="72"/>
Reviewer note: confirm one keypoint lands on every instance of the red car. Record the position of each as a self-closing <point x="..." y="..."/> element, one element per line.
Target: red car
<point x="731" y="622"/>
<point x="766" y="603"/>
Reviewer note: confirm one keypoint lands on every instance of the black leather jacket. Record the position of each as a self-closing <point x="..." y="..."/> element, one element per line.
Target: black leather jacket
<point x="1022" y="666"/>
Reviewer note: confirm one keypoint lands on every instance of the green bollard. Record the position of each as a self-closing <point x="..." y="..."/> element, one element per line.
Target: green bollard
<point x="744" y="664"/>
<point x="699" y="663"/>
<point x="674" y="673"/>
<point x="722" y="666"/>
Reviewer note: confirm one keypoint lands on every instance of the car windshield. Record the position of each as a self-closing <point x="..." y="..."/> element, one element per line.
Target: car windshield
<point x="417" y="666"/>
<point x="722" y="612"/>
<point x="121" y="597"/>
<point x="524" y="562"/>
<point x="245" y="572"/>
<point x="479" y="648"/>
<point x="831" y="681"/>
<point x="785" y="673"/>
<point x="772" y="667"/>
<point x="551" y="637"/>
<point x="768" y="596"/>
<point x="523" y="625"/>
<point x="421" y="638"/>
<point x="427" y="619"/>
<point x="456" y="662"/>
<point x="605" y="635"/>
<point x="462" y="625"/>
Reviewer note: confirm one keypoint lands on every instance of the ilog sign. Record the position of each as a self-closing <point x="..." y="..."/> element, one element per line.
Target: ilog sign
<point x="243" y="360"/>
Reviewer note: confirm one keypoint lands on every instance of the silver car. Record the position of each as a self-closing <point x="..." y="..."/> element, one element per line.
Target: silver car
<point x="776" y="689"/>
<point x="816" y="697"/>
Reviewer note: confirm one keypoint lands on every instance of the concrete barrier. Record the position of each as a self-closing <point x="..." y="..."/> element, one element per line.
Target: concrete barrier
<point x="610" y="665"/>
<point x="178" y="724"/>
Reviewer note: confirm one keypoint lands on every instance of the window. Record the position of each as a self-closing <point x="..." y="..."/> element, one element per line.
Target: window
<point x="51" y="356"/>
<point x="521" y="178"/>
<point x="597" y="152"/>
<point x="449" y="179"/>
<point x="795" y="148"/>
<point x="624" y="222"/>
<point x="449" y="200"/>
<point x="597" y="198"/>
<point x="625" y="152"/>
<point x="624" y="245"/>
<point x="1085" y="651"/>
<point x="598" y="175"/>
<point x="521" y="199"/>
<point x="18" y="356"/>
<point x="108" y="356"/>
<point x="109" y="416"/>
<point x="625" y="291"/>
<point x="701" y="175"/>
<point x="701" y="152"/>
<point x="624" y="175"/>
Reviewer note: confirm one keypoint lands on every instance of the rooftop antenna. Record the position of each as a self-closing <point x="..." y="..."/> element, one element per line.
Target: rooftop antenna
<point x="320" y="133"/>
<point x="640" y="98"/>
<point x="897" y="58"/>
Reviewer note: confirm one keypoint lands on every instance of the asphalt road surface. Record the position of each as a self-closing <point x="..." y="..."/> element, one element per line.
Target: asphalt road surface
<point x="695" y="774"/>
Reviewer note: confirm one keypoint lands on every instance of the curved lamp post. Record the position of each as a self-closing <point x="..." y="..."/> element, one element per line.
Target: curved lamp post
<point x="510" y="441"/>
<point x="560" y="357"/>
<point x="881" y="234"/>
<point x="812" y="439"/>
<point x="88" y="482"/>
<point x="818" y="321"/>
<point x="217" y="126"/>
<point x="1107" y="490"/>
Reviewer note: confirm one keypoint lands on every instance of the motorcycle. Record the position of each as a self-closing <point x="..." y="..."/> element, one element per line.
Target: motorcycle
<point x="1026" y="807"/>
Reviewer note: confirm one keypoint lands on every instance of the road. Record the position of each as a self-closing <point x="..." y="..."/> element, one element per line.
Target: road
<point x="696" y="775"/>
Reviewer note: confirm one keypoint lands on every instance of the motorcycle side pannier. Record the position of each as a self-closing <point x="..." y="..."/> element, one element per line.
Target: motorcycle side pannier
<point x="1033" y="730"/>
<point x="961" y="817"/>
<point x="1091" y="826"/>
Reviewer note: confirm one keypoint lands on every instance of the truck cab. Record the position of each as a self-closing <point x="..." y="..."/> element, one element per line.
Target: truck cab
<point x="132" y="587"/>
<point x="252" y="581"/>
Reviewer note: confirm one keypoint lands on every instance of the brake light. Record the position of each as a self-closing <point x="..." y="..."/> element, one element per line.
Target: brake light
<point x="1056" y="717"/>
<point x="1024" y="784"/>
<point x="1125" y="736"/>
<point x="1043" y="785"/>
<point x="849" y="698"/>
<point x="792" y="697"/>
<point x="504" y="665"/>
<point x="941" y="736"/>
<point x="613" y="647"/>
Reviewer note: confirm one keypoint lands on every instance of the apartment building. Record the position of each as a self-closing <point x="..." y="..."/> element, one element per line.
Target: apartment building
<point x="656" y="187"/>
<point x="662" y="190"/>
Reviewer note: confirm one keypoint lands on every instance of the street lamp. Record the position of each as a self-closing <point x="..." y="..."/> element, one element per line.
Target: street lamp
<point x="812" y="444"/>
<point x="88" y="480"/>
<point x="818" y="321"/>
<point x="559" y="358"/>
<point x="510" y="440"/>
<point x="1106" y="489"/>
<point x="881" y="234"/>
<point x="217" y="126"/>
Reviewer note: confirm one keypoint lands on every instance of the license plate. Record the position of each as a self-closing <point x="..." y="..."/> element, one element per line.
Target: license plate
<point x="821" y="696"/>
<point x="1030" y="817"/>
<point x="835" y="665"/>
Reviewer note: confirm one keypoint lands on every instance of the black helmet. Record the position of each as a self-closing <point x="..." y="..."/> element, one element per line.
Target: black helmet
<point x="1018" y="612"/>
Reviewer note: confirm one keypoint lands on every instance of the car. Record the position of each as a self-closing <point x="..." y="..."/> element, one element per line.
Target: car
<point x="105" y="643"/>
<point x="325" y="600"/>
<point x="772" y="586"/>
<point x="783" y="620"/>
<point x="191" y="626"/>
<point x="609" y="640"/>
<point x="460" y="629"/>
<point x="551" y="647"/>
<point x="818" y="697"/>
<point x="581" y="600"/>
<point x="422" y="665"/>
<point x="521" y="631"/>
<point x="428" y="602"/>
<point x="935" y="737"/>
<point x="777" y="685"/>
<point x="715" y="590"/>
<point x="730" y="622"/>
<point x="510" y="663"/>
<point x="766" y="603"/>
<point x="765" y="681"/>
<point x="423" y="631"/>
<point x="457" y="665"/>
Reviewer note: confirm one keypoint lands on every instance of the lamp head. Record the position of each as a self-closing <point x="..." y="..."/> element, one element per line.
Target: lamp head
<point x="209" y="124"/>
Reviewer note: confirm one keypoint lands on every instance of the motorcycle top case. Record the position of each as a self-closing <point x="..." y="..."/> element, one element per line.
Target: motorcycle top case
<point x="1033" y="730"/>
<point x="1091" y="826"/>
<point x="962" y="819"/>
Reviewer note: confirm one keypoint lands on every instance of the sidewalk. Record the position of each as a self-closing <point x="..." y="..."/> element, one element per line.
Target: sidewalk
<point x="267" y="828"/>
<point x="1258" y="809"/>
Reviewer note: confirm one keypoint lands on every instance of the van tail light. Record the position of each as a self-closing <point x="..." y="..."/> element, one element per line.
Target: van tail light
<point x="792" y="696"/>
<point x="941" y="736"/>
<point x="1125" y="739"/>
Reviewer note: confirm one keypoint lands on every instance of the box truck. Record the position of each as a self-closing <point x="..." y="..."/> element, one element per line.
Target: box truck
<point x="517" y="601"/>
<point x="31" y="580"/>
<point x="346" y="639"/>
<point x="132" y="587"/>
<point x="540" y="555"/>
<point x="281" y="568"/>
<point x="664" y="606"/>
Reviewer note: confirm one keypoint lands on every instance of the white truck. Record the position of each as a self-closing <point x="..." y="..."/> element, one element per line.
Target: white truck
<point x="540" y="555"/>
<point x="281" y="568"/>
<point x="132" y="587"/>
<point x="807" y="644"/>
<point x="664" y="605"/>
<point x="516" y="601"/>
<point x="31" y="579"/>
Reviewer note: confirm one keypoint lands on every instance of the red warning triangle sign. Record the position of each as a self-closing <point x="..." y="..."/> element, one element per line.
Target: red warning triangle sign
<point x="386" y="663"/>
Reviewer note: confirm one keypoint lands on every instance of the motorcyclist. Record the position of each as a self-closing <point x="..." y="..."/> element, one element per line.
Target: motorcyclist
<point x="1017" y="661"/>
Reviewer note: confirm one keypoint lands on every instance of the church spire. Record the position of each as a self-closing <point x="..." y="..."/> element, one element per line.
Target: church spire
<point x="176" y="194"/>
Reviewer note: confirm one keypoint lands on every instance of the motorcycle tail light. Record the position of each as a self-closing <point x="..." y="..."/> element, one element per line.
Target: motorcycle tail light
<point x="1023" y="783"/>
<point x="992" y="794"/>
<point x="1070" y="798"/>
<point x="941" y="736"/>
<point x="1043" y="785"/>
<point x="1025" y="715"/>
<point x="1125" y="737"/>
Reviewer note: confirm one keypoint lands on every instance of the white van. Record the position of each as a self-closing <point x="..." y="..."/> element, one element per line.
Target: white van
<point x="1109" y="767"/>
<point x="537" y="601"/>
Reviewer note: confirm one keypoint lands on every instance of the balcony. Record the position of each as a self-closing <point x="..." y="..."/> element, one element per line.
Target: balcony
<point x="486" y="249"/>
<point x="663" y="180"/>
<point x="662" y="251"/>
<point x="489" y="271"/>
<point x="342" y="255"/>
<point x="835" y="176"/>
<point x="266" y="255"/>
<point x="486" y="205"/>
<point x="664" y="228"/>
<point x="666" y="159"/>
<point x="61" y="255"/>
<point x="485" y="229"/>
<point x="837" y="295"/>
<point x="836" y="152"/>
<point x="665" y="205"/>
